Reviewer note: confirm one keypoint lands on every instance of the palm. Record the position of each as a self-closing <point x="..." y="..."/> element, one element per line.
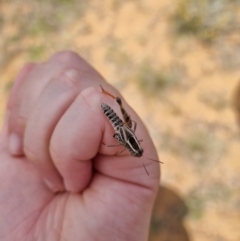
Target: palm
<point x="30" y="210"/>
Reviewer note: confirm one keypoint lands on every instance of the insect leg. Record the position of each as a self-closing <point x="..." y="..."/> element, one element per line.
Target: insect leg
<point x="154" y="160"/>
<point x="135" y="126"/>
<point x="118" y="153"/>
<point x="145" y="169"/>
<point x="107" y="93"/>
<point x="126" y="116"/>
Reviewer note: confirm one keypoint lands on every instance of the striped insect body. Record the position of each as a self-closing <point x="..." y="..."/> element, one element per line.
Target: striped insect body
<point x="126" y="117"/>
<point x="123" y="132"/>
<point x="112" y="116"/>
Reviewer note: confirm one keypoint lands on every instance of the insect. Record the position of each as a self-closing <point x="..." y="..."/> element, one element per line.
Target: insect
<point x="127" y="118"/>
<point x="123" y="132"/>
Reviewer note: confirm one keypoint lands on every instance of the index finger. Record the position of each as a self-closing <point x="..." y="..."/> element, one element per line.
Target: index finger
<point x="77" y="150"/>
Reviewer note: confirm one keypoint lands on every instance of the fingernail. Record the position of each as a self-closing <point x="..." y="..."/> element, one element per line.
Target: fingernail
<point x="15" y="144"/>
<point x="52" y="186"/>
<point x="72" y="74"/>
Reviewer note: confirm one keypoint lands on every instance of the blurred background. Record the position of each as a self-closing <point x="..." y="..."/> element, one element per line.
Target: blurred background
<point x="177" y="62"/>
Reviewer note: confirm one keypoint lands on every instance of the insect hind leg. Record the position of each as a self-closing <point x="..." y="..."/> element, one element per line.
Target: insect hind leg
<point x="107" y="93"/>
<point x="135" y="126"/>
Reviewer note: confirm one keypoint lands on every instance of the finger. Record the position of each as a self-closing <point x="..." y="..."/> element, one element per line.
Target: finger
<point x="18" y="83"/>
<point x="15" y="145"/>
<point x="42" y="120"/>
<point x="4" y="133"/>
<point x="142" y="170"/>
<point x="50" y="106"/>
<point x="73" y="60"/>
<point x="33" y="85"/>
<point x="22" y="104"/>
<point x="124" y="166"/>
<point x="77" y="139"/>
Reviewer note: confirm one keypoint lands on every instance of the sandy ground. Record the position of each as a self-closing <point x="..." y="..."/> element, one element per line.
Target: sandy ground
<point x="191" y="120"/>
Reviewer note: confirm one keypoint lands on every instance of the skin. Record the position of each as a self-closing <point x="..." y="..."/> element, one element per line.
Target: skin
<point x="57" y="180"/>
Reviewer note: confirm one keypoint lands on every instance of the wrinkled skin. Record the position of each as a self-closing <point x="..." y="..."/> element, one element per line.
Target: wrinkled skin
<point x="57" y="180"/>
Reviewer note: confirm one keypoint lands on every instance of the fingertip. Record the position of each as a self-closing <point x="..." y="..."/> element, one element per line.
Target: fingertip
<point x="14" y="125"/>
<point x="65" y="56"/>
<point x="73" y="60"/>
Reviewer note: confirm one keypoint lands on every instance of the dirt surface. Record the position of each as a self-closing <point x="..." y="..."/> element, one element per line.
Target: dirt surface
<point x="181" y="87"/>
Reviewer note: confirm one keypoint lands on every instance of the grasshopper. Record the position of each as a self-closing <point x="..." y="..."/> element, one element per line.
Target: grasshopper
<point x="123" y="132"/>
<point x="127" y="118"/>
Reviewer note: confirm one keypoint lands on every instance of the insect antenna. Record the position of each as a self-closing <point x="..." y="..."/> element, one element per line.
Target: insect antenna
<point x="153" y="160"/>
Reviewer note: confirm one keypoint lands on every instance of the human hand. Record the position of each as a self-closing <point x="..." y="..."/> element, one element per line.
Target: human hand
<point x="57" y="180"/>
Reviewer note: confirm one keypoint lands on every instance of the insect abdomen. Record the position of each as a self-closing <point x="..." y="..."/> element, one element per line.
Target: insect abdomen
<point x="112" y="116"/>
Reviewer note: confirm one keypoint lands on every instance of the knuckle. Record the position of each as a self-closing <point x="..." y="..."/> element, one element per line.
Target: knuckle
<point x="66" y="56"/>
<point x="68" y="79"/>
<point x="71" y="77"/>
